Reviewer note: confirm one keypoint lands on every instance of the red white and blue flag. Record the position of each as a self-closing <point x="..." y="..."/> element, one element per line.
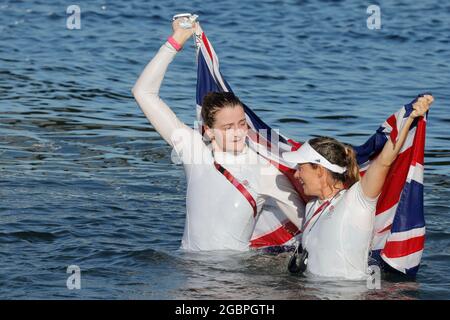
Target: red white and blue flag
<point x="399" y="231"/>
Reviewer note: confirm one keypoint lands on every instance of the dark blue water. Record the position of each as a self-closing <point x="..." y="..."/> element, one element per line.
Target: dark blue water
<point x="85" y="180"/>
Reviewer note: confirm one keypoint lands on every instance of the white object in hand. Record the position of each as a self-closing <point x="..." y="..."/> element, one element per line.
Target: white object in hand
<point x="188" y="19"/>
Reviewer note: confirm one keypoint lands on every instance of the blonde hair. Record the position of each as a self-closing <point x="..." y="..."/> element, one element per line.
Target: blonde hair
<point x="340" y="154"/>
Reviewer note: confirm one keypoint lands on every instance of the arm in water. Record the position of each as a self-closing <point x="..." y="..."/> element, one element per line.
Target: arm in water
<point x="372" y="182"/>
<point x="146" y="89"/>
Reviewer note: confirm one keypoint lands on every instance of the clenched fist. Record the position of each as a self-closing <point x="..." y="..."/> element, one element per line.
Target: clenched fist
<point x="182" y="35"/>
<point x="421" y="106"/>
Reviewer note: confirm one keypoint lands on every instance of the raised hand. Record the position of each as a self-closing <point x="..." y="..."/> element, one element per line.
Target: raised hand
<point x="180" y="34"/>
<point x="421" y="106"/>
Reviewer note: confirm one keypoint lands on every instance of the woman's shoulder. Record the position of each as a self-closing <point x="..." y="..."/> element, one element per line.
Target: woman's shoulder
<point x="189" y="144"/>
<point x="355" y="197"/>
<point x="357" y="189"/>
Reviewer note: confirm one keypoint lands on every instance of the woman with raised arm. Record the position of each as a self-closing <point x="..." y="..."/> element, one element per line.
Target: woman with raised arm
<point x="339" y="221"/>
<point x="228" y="183"/>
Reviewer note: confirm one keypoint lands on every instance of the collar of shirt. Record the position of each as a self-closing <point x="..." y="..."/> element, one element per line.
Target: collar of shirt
<point x="230" y="158"/>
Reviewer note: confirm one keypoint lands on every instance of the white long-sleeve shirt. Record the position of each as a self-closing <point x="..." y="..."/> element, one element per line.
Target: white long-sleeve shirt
<point x="218" y="217"/>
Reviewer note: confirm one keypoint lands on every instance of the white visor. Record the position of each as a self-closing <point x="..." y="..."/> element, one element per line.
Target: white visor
<point x="306" y="154"/>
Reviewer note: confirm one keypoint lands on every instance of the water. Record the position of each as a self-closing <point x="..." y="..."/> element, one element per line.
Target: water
<point x="85" y="179"/>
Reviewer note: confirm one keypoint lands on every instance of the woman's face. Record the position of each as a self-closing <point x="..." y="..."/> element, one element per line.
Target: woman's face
<point x="230" y="129"/>
<point x="309" y="178"/>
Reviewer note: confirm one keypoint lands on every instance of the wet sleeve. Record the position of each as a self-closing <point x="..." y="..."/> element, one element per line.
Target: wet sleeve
<point x="146" y="93"/>
<point x="362" y="208"/>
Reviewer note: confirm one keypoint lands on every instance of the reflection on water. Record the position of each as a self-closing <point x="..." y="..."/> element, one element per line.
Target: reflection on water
<point x="262" y="276"/>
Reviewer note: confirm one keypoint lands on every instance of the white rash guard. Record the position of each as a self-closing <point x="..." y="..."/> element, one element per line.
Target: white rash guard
<point x="218" y="216"/>
<point x="338" y="244"/>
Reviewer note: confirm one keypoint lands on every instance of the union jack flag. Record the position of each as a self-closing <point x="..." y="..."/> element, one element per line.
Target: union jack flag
<point x="399" y="232"/>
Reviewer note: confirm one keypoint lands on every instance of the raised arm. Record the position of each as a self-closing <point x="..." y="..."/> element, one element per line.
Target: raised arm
<point x="372" y="182"/>
<point x="146" y="89"/>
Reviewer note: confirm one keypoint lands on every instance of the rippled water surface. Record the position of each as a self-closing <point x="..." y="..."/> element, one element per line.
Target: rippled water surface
<point x="85" y="180"/>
